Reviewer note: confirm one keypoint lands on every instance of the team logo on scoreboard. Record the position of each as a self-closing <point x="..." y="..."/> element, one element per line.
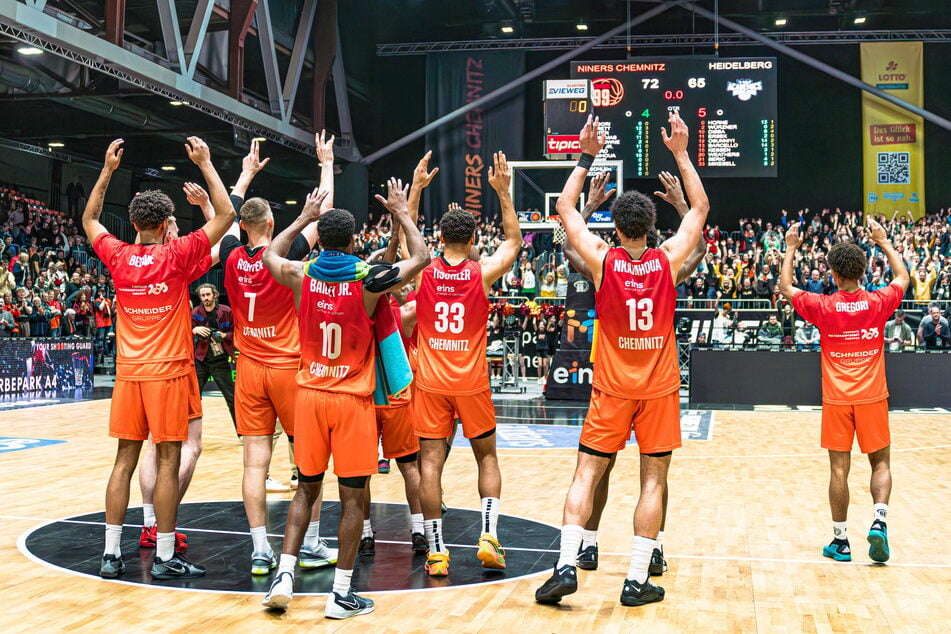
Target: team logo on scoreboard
<point x="606" y="92"/>
<point x="744" y="89"/>
<point x="563" y="144"/>
<point x="566" y="89"/>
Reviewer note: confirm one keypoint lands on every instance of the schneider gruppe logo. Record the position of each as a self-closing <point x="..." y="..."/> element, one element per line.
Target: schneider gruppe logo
<point x="744" y="89"/>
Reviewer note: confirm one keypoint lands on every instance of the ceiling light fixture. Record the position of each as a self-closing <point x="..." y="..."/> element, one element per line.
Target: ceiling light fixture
<point x="780" y="22"/>
<point x="581" y="26"/>
<point x="290" y="202"/>
<point x="178" y="103"/>
<point x="507" y="27"/>
<point x="29" y="50"/>
<point x="259" y="139"/>
<point x="168" y="168"/>
<point x="56" y="144"/>
<point x="859" y="20"/>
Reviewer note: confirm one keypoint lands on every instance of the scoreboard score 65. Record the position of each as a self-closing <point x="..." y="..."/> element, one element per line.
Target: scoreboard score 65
<point x="728" y="104"/>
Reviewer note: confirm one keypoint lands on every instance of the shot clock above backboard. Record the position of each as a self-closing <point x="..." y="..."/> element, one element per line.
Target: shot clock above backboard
<point x="729" y="105"/>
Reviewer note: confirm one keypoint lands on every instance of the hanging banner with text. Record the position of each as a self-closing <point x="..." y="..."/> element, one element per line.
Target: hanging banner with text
<point x="463" y="148"/>
<point x="893" y="138"/>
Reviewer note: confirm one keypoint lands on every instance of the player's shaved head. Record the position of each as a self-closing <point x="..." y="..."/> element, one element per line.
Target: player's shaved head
<point x="634" y="214"/>
<point x="848" y="260"/>
<point x="149" y="209"/>
<point x="457" y="226"/>
<point x="255" y="211"/>
<point x="335" y="229"/>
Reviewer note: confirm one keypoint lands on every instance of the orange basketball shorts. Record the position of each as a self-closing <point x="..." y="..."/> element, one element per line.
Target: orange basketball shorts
<point x="331" y="424"/>
<point x="262" y="395"/>
<point x="435" y="413"/>
<point x="158" y="407"/>
<point x="194" y="398"/>
<point x="610" y="419"/>
<point x="395" y="426"/>
<point x="842" y="423"/>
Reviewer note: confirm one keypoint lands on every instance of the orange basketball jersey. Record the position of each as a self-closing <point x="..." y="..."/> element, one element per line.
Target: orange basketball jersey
<point x="265" y="321"/>
<point x="852" y="326"/>
<point x="636" y="352"/>
<point x="451" y="316"/>
<point x="154" y="332"/>
<point x="337" y="340"/>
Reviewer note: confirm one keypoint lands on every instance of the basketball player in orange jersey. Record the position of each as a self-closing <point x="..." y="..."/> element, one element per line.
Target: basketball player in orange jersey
<point x="673" y="194"/>
<point x="854" y="392"/>
<point x="154" y="366"/>
<point x="336" y="294"/>
<point x="191" y="448"/>
<point x="636" y="372"/>
<point x="452" y="310"/>
<point x="395" y="428"/>
<point x="266" y="334"/>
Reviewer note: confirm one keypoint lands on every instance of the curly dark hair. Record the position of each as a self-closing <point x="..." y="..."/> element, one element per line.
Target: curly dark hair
<point x="149" y="209"/>
<point x="335" y="229"/>
<point x="848" y="260"/>
<point x="458" y="226"/>
<point x="634" y="214"/>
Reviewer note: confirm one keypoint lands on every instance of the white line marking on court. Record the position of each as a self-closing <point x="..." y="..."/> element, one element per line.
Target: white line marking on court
<point x="507" y="454"/>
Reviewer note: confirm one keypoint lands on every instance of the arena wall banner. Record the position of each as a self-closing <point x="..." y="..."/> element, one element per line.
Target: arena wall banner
<point x="45" y="365"/>
<point x="569" y="376"/>
<point x="463" y="148"/>
<point x="893" y="138"/>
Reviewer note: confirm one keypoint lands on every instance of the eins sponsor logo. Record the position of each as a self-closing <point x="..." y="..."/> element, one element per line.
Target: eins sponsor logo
<point x="573" y="375"/>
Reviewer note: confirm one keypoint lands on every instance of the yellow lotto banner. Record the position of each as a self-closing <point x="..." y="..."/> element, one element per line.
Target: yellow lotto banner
<point x="893" y="150"/>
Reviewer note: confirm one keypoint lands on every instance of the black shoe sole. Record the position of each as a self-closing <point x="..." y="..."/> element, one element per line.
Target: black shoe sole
<point x="588" y="565"/>
<point x="164" y="577"/>
<point x="113" y="575"/>
<point x="636" y="601"/>
<point x="554" y="595"/>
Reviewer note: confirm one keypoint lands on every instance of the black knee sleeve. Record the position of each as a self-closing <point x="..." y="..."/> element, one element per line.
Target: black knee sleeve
<point x="659" y="454"/>
<point x="485" y="435"/>
<point x="354" y="482"/>
<point x="595" y="452"/>
<point x="408" y="458"/>
<point x="306" y="478"/>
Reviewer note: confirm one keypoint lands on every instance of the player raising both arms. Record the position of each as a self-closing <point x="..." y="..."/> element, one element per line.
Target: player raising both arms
<point x="673" y="194"/>
<point x="154" y="359"/>
<point x="854" y="392"/>
<point x="636" y="372"/>
<point x="452" y="310"/>
<point x="337" y="294"/>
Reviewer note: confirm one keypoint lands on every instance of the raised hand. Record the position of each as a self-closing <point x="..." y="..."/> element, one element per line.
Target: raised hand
<point x="114" y="155"/>
<point x="597" y="193"/>
<point x="677" y="140"/>
<point x="673" y="193"/>
<point x="878" y="233"/>
<point x="325" y="147"/>
<point x="591" y="139"/>
<point x="422" y="177"/>
<point x="396" y="195"/>
<point x="793" y="238"/>
<point x="455" y="207"/>
<point x="311" y="210"/>
<point x="252" y="163"/>
<point x="198" y="151"/>
<point x="500" y="176"/>
<point x="195" y="194"/>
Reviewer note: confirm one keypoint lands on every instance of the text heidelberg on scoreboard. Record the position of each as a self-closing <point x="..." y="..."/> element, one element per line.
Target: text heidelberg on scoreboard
<point x="729" y="104"/>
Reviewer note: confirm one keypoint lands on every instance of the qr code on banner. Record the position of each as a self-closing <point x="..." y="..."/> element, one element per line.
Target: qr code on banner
<point x="894" y="168"/>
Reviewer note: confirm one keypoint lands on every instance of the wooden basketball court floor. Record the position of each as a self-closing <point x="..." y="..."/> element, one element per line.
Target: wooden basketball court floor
<point x="747" y="522"/>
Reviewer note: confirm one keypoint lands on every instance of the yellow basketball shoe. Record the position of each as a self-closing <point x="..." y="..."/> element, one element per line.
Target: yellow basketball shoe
<point x="437" y="564"/>
<point x="491" y="553"/>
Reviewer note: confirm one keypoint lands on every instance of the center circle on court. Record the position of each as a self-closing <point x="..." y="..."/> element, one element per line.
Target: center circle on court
<point x="218" y="538"/>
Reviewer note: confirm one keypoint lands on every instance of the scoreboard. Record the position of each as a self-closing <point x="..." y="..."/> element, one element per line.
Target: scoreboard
<point x="729" y="105"/>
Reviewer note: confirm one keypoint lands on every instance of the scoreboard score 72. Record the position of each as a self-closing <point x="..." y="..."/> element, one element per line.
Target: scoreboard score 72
<point x="728" y="104"/>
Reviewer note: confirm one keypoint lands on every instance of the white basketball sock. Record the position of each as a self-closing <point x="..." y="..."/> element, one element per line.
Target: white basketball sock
<point x="312" y="536"/>
<point x="490" y="515"/>
<point x="165" y="546"/>
<point x="838" y="529"/>
<point x="416" y="521"/>
<point x="571" y="537"/>
<point x="880" y="512"/>
<point x="367" y="528"/>
<point x="287" y="564"/>
<point x="148" y="515"/>
<point x="588" y="538"/>
<point x="113" y="539"/>
<point x="641" y="550"/>
<point x="259" y="540"/>
<point x="434" y="536"/>
<point x="342" y="581"/>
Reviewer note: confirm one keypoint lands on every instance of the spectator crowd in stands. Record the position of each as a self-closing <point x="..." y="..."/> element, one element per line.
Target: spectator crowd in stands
<point x="51" y="286"/>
